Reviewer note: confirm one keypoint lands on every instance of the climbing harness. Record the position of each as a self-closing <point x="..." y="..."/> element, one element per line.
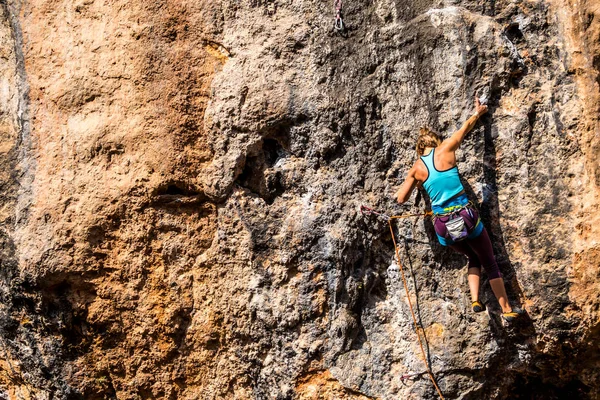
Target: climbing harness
<point x="339" y="21"/>
<point x="367" y="210"/>
<point x="459" y="221"/>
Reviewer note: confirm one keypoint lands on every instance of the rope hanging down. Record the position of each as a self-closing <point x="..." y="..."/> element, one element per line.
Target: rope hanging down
<point x="339" y="21"/>
<point x="367" y="210"/>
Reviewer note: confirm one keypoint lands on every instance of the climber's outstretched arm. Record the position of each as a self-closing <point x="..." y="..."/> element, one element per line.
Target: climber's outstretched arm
<point x="407" y="187"/>
<point x="454" y="141"/>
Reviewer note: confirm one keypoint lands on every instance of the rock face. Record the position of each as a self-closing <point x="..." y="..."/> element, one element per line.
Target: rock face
<point x="182" y="183"/>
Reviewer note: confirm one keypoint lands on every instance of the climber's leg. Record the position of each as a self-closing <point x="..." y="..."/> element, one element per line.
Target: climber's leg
<point x="473" y="269"/>
<point x="482" y="246"/>
<point x="473" y="278"/>
<point x="500" y="292"/>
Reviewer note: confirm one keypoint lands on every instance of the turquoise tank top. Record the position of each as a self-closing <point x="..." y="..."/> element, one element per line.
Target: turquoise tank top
<point x="442" y="186"/>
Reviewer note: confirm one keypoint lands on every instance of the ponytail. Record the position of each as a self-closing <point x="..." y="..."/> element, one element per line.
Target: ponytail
<point x="427" y="138"/>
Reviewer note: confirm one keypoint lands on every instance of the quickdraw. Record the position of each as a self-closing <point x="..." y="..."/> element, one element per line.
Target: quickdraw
<point x="410" y="376"/>
<point x="339" y="20"/>
<point x="367" y="211"/>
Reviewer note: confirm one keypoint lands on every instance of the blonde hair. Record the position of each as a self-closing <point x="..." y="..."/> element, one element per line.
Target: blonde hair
<point x="427" y="138"/>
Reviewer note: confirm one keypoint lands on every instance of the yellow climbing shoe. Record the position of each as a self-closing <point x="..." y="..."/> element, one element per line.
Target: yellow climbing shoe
<point x="477" y="306"/>
<point x="511" y="316"/>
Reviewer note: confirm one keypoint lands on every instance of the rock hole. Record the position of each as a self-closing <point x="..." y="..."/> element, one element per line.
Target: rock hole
<point x="66" y="318"/>
<point x="272" y="151"/>
<point x="334" y="126"/>
<point x="471" y="65"/>
<point x="176" y="189"/>
<point x="379" y="290"/>
<point x="95" y="235"/>
<point x="375" y="108"/>
<point x="371" y="68"/>
<point x="243" y="96"/>
<point x="339" y="151"/>
<point x="362" y="118"/>
<point x="596" y="65"/>
<point x="513" y="33"/>
<point x="259" y="175"/>
<point x="252" y="174"/>
<point x="292" y="272"/>
<point x="527" y="387"/>
<point x="275" y="187"/>
<point x="532" y="116"/>
<point x="213" y="344"/>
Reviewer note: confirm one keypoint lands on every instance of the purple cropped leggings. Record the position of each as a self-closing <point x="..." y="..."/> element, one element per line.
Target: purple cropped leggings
<point x="478" y="250"/>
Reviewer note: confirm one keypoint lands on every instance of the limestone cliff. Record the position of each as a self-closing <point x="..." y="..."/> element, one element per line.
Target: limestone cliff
<point x="181" y="186"/>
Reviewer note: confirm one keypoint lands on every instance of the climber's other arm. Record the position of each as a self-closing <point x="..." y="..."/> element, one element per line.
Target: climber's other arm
<point x="407" y="186"/>
<point x="454" y="141"/>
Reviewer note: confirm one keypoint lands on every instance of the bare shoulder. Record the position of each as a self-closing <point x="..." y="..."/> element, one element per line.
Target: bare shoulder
<point x="419" y="170"/>
<point x="446" y="149"/>
<point x="446" y="154"/>
<point x="445" y="146"/>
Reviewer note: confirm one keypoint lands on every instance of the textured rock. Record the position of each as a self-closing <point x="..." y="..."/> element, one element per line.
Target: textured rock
<point x="182" y="184"/>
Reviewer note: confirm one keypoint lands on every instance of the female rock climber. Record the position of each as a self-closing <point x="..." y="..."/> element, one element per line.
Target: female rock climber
<point x="457" y="223"/>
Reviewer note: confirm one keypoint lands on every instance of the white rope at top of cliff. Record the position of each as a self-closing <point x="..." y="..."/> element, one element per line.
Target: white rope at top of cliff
<point x="339" y="21"/>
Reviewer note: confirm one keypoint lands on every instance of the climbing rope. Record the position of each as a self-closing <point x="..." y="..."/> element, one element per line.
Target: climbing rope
<point x="367" y="210"/>
<point x="339" y="21"/>
<point x="429" y="372"/>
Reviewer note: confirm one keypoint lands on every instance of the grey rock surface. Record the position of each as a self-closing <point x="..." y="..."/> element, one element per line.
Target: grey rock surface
<point x="182" y="185"/>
